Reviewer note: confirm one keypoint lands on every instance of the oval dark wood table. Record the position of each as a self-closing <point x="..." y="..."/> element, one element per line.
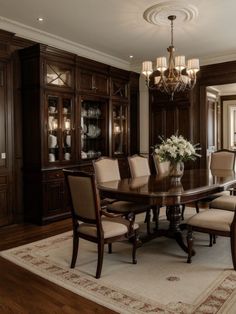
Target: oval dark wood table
<point x="155" y="190"/>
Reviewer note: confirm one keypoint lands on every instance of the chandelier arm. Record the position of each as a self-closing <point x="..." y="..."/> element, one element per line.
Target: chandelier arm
<point x="172" y="79"/>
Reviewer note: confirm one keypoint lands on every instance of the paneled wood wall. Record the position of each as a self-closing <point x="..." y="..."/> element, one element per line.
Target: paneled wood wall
<point x="187" y="114"/>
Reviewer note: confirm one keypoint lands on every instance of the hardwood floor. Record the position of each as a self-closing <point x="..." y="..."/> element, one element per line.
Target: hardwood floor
<point x="24" y="292"/>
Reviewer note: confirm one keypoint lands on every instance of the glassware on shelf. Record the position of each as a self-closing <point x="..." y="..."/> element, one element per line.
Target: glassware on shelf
<point x="51" y="157"/>
<point x="93" y="128"/>
<point x="93" y="131"/>
<point x="119" y="126"/>
<point x="52" y="141"/>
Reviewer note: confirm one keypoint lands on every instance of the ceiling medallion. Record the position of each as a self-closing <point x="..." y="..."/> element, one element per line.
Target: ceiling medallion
<point x="158" y="13"/>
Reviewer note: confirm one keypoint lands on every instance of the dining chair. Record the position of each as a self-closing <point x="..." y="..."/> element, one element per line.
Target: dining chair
<point x="221" y="160"/>
<point x="92" y="223"/>
<point x="107" y="169"/>
<point x="162" y="169"/>
<point x="213" y="221"/>
<point x="139" y="167"/>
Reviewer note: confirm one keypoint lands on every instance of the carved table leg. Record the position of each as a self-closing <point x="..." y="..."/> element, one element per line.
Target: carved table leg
<point x="174" y="217"/>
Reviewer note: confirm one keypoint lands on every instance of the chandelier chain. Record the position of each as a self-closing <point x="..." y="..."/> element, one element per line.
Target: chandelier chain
<point x="172" y="33"/>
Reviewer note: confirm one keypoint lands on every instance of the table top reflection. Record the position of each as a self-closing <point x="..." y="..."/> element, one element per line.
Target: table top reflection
<point x="195" y="184"/>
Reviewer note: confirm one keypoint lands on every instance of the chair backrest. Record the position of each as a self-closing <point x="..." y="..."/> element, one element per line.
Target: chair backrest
<point x="162" y="167"/>
<point x="84" y="197"/>
<point x="139" y="166"/>
<point x="106" y="169"/>
<point x="222" y="159"/>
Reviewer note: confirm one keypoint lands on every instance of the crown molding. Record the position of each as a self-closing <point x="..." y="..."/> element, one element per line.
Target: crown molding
<point x="218" y="59"/>
<point x="30" y="33"/>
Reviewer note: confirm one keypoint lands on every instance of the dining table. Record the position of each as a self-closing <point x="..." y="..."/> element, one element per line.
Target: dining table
<point x="157" y="190"/>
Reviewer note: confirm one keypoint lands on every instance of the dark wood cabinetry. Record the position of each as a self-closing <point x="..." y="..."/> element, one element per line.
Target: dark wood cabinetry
<point x="169" y="117"/>
<point x="74" y="110"/>
<point x="6" y="132"/>
<point x="48" y="101"/>
<point x="93" y="77"/>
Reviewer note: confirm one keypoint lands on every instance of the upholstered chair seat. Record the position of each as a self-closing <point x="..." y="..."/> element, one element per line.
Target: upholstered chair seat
<point x="112" y="227"/>
<point x="213" y="221"/>
<point x="227" y="202"/>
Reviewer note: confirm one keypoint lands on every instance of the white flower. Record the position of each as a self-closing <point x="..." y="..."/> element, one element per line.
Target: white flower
<point x="176" y="148"/>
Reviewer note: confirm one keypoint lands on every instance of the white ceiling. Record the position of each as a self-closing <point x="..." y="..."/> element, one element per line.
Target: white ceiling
<point x="225" y="89"/>
<point x="112" y="30"/>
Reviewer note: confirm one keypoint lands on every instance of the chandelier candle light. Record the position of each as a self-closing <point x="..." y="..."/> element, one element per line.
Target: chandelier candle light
<point x="177" y="76"/>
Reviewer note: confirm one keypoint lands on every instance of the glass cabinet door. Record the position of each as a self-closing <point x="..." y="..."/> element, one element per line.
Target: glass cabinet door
<point x="66" y="128"/>
<point x="93" y="129"/>
<point x="53" y="104"/>
<point x="59" y="109"/>
<point x="58" y="75"/>
<point x="119" y="129"/>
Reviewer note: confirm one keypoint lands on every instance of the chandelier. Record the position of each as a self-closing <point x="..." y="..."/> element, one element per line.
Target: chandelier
<point x="174" y="78"/>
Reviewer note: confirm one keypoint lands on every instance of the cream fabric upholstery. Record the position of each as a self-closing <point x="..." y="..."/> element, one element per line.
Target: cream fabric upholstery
<point x="222" y="160"/>
<point x="111" y="228"/>
<point x="81" y="191"/>
<point x="162" y="167"/>
<point x="106" y="170"/>
<point x="139" y="166"/>
<point x="213" y="219"/>
<point x="224" y="202"/>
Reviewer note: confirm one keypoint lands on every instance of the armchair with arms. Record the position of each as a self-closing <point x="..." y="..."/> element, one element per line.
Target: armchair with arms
<point x="90" y="222"/>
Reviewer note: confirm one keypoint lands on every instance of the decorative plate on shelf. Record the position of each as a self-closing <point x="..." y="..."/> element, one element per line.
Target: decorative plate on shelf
<point x="93" y="131"/>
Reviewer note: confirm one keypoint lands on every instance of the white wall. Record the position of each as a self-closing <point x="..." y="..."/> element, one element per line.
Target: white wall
<point x="228" y="109"/>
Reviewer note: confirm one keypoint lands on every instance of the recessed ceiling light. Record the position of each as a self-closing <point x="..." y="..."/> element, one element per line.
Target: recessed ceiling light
<point x="40" y="19"/>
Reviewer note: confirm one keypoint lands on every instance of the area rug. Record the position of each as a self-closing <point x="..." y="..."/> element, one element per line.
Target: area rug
<point x="161" y="282"/>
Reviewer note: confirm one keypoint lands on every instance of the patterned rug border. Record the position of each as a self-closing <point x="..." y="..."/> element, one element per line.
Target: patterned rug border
<point x="120" y="300"/>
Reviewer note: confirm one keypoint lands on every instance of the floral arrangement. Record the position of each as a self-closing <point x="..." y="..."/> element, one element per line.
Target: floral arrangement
<point x="176" y="149"/>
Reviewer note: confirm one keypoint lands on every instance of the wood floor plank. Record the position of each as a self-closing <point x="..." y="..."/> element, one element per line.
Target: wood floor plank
<point x="23" y="292"/>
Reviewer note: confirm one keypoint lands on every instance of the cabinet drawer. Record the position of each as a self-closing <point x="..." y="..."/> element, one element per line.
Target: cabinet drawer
<point x="52" y="175"/>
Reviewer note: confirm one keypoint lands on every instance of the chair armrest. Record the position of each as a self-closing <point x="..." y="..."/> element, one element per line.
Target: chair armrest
<point x="110" y="215"/>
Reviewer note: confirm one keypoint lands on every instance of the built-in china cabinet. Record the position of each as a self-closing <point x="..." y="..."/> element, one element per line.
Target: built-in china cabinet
<point x="74" y="110"/>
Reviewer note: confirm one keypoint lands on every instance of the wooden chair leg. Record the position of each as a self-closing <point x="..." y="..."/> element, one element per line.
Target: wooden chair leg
<point x="190" y="245"/>
<point x="214" y="239"/>
<point x="75" y="249"/>
<point x="156" y="213"/>
<point x="233" y="249"/>
<point x="210" y="242"/>
<point x="109" y="248"/>
<point x="197" y="207"/>
<point x="182" y="213"/>
<point x="135" y="245"/>
<point x="148" y="221"/>
<point x="100" y="259"/>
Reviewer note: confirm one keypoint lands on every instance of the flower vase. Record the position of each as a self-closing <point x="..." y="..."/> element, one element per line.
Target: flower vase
<point x="176" y="171"/>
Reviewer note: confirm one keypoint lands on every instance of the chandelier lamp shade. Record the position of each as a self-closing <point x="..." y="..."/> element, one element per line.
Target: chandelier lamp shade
<point x="174" y="76"/>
